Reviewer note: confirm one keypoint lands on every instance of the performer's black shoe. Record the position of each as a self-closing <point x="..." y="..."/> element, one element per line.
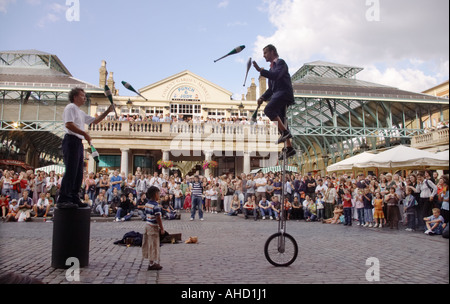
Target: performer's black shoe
<point x="285" y="136"/>
<point x="290" y="151"/>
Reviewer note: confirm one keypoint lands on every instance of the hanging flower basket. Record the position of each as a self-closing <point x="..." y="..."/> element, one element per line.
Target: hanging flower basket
<point x="209" y="165"/>
<point x="165" y="164"/>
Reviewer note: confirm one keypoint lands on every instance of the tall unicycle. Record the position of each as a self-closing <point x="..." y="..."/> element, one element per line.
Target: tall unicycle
<point x="281" y="249"/>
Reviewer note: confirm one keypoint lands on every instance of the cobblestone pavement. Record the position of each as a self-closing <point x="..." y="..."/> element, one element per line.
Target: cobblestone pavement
<point x="231" y="250"/>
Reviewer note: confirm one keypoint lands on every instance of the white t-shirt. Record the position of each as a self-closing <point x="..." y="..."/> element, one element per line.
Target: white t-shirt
<point x="42" y="202"/>
<point x="72" y="113"/>
<point x="261" y="181"/>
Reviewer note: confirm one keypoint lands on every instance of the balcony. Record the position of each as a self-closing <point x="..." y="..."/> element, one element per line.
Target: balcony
<point x="433" y="139"/>
<point x="162" y="135"/>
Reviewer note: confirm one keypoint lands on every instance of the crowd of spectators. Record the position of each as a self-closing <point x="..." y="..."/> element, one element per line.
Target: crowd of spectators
<point x="419" y="201"/>
<point x="189" y="119"/>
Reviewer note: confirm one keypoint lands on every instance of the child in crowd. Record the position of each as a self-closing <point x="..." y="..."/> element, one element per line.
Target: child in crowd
<point x="12" y="211"/>
<point x="378" y="213"/>
<point x="208" y="193"/>
<point x="178" y="196"/>
<point x="409" y="204"/>
<point x="311" y="210"/>
<point x="434" y="223"/>
<point x="187" y="202"/>
<point x="338" y="211"/>
<point x="153" y="229"/>
<point x="320" y="206"/>
<point x="214" y="196"/>
<point x="359" y="205"/>
<point x="368" y="214"/>
<point x="347" y="204"/>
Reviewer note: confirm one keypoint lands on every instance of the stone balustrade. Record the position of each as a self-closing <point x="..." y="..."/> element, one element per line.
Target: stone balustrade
<point x="435" y="138"/>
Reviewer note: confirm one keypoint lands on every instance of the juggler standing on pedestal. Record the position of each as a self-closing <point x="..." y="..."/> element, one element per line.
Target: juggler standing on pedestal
<point x="74" y="125"/>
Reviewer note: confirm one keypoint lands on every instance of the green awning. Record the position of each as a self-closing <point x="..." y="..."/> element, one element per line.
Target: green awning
<point x="279" y="169"/>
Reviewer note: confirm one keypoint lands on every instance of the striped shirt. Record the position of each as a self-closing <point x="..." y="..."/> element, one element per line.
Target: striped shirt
<point x="152" y="211"/>
<point x="197" y="189"/>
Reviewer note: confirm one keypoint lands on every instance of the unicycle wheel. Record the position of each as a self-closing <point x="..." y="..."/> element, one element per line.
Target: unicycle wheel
<point x="281" y="249"/>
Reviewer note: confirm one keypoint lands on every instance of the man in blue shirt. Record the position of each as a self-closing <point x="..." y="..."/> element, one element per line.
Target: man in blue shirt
<point x="116" y="180"/>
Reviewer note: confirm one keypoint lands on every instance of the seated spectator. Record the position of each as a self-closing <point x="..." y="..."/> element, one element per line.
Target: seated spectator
<point x="124" y="209"/>
<point x="12" y="211"/>
<point x="235" y="206"/>
<point x="114" y="200"/>
<point x="42" y="206"/>
<point x="140" y="206"/>
<point x="25" y="207"/>
<point x="167" y="210"/>
<point x="287" y="208"/>
<point x="250" y="209"/>
<point x="87" y="200"/>
<point x="276" y="207"/>
<point x="265" y="208"/>
<point x="297" y="209"/>
<point x="434" y="223"/>
<point x="101" y="205"/>
<point x="337" y="213"/>
<point x="311" y="210"/>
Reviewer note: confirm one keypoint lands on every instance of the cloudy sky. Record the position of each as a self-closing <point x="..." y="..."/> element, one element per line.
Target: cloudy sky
<point x="402" y="43"/>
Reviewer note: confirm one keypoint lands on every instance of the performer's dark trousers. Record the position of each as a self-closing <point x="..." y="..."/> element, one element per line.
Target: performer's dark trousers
<point x="74" y="160"/>
<point x="277" y="107"/>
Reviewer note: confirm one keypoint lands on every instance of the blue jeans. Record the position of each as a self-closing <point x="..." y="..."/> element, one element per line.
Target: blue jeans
<point x="348" y="216"/>
<point x="178" y="204"/>
<point x="368" y="215"/>
<point x="361" y="216"/>
<point x="266" y="211"/>
<point x="121" y="212"/>
<point x="197" y="204"/>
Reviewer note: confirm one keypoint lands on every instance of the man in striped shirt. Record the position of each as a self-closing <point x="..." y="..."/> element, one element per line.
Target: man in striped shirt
<point x="196" y="195"/>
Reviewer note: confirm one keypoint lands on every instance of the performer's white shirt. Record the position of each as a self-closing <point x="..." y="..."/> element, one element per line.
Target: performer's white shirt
<point x="72" y="113"/>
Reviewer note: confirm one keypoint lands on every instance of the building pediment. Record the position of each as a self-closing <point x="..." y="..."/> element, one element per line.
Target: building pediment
<point x="187" y="87"/>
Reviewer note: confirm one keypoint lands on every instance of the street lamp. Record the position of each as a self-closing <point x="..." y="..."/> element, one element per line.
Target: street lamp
<point x="129" y="104"/>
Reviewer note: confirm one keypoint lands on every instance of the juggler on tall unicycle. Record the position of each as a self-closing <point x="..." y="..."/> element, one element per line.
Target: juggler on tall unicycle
<point x="281" y="249"/>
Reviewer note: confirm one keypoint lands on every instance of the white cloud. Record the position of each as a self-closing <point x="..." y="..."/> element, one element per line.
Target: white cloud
<point x="223" y="4"/>
<point x="4" y="5"/>
<point x="54" y="13"/>
<point x="406" y="48"/>
<point x="408" y="79"/>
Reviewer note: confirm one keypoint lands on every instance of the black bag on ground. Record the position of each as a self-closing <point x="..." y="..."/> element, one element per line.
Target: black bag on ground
<point x="131" y="238"/>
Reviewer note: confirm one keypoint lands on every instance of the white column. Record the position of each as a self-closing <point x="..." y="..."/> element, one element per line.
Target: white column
<point x="124" y="161"/>
<point x="166" y="157"/>
<point x="247" y="163"/>
<point x="208" y="157"/>
<point x="91" y="165"/>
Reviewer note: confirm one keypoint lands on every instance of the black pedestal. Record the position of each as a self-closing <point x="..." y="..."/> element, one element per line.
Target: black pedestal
<point x="71" y="235"/>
